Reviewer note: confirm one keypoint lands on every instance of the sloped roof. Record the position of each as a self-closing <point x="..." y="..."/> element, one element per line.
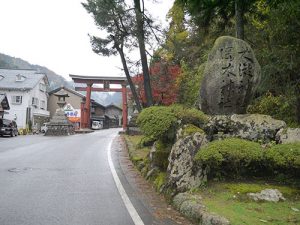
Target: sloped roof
<point x="97" y="104"/>
<point x="67" y="89"/>
<point x="113" y="106"/>
<point x="8" y="79"/>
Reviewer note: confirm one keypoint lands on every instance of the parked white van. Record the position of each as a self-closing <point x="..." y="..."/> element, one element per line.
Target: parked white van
<point x="97" y="125"/>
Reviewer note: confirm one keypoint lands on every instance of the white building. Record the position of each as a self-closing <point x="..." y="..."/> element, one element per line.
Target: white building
<point x="27" y="96"/>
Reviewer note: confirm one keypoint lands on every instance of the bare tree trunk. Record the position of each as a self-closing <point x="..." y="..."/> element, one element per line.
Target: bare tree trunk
<point x="239" y="20"/>
<point x="298" y="101"/>
<point x="141" y="40"/>
<point x="131" y="85"/>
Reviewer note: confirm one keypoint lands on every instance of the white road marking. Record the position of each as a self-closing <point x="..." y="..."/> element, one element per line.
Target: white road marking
<point x="130" y="208"/>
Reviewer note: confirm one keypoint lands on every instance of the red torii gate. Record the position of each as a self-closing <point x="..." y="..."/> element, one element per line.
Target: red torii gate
<point x="106" y="81"/>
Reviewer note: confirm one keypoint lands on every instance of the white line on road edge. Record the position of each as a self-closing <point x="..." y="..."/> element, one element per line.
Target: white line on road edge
<point x="130" y="208"/>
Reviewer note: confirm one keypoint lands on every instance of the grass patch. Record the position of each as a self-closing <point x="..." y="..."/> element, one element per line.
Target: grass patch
<point x="136" y="152"/>
<point x="160" y="180"/>
<point x="230" y="201"/>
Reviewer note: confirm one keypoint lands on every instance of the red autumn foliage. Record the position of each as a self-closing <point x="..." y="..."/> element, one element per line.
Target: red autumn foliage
<point x="163" y="83"/>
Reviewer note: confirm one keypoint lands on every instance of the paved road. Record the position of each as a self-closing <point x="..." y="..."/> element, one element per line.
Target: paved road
<point x="59" y="180"/>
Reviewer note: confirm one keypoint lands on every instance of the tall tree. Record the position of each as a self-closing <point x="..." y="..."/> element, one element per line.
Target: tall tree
<point x="220" y="12"/>
<point x="139" y="12"/>
<point x="239" y="20"/>
<point x="113" y="17"/>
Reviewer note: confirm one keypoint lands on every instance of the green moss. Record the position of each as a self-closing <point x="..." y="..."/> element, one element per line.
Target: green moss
<point x="191" y="129"/>
<point x="244" y="188"/>
<point x="136" y="153"/>
<point x="225" y="199"/>
<point x="160" y="180"/>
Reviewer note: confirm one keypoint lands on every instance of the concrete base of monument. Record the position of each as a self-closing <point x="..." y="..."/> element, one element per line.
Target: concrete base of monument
<point x="59" y="125"/>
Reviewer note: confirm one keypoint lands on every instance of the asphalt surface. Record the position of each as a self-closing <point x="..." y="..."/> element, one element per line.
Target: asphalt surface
<point x="59" y="180"/>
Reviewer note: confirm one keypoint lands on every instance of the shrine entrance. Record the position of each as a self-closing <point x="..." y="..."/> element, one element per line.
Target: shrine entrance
<point x="106" y="83"/>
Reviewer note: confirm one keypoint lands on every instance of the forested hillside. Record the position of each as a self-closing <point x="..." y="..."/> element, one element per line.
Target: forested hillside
<point x="55" y="80"/>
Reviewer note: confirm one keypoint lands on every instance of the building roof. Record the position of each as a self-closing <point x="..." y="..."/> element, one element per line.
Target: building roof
<point x="28" y="79"/>
<point x="67" y="89"/>
<point x="4" y="102"/>
<point x="113" y="106"/>
<point x="98" y="104"/>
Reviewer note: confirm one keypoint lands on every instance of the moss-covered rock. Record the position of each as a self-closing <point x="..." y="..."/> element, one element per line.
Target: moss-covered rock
<point x="183" y="173"/>
<point x="288" y="135"/>
<point x="253" y="127"/>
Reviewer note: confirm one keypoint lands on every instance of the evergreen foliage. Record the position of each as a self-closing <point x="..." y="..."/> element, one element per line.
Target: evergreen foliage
<point x="188" y="115"/>
<point x="231" y="156"/>
<point x="284" y="158"/>
<point x="161" y="122"/>
<point x="279" y="107"/>
<point x="156" y="121"/>
<point x="238" y="158"/>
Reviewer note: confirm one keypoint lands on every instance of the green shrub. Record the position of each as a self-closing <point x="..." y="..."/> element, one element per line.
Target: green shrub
<point x="231" y="157"/>
<point x="146" y="142"/>
<point x="279" y="107"/>
<point x="284" y="158"/>
<point x="156" y="121"/>
<point x="189" y="115"/>
<point x="191" y="129"/>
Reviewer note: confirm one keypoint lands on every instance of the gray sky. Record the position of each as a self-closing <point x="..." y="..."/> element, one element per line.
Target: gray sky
<point x="53" y="33"/>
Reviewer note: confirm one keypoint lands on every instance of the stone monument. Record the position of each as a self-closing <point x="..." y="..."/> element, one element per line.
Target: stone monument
<point x="231" y="77"/>
<point x="60" y="125"/>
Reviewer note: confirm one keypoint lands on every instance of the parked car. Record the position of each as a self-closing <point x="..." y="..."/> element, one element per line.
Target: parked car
<point x="44" y="128"/>
<point x="97" y="125"/>
<point x="8" y="127"/>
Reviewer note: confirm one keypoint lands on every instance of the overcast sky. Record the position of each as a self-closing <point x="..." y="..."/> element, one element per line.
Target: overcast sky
<point x="54" y="33"/>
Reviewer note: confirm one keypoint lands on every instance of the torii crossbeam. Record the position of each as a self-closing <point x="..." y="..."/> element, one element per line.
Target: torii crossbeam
<point x="106" y="81"/>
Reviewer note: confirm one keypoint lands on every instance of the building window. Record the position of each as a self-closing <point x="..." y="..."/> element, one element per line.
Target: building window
<point x="42" y="87"/>
<point x="35" y="102"/>
<point x="20" y="78"/>
<point x="43" y="104"/>
<point x="17" y="100"/>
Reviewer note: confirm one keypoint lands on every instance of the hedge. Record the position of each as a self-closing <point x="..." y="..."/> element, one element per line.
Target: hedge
<point x="189" y="115"/>
<point x="156" y="121"/>
<point x="235" y="157"/>
<point x="231" y="156"/>
<point x="284" y="158"/>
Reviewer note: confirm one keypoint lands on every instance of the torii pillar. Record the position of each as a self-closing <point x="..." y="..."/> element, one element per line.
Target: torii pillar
<point x="124" y="106"/>
<point x="106" y="81"/>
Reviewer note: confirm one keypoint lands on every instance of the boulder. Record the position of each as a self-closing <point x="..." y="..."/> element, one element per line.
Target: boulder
<point x="253" y="127"/>
<point x="270" y="195"/>
<point x="182" y="172"/>
<point x="158" y="158"/>
<point x="191" y="206"/>
<point x="231" y="77"/>
<point x="289" y="135"/>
